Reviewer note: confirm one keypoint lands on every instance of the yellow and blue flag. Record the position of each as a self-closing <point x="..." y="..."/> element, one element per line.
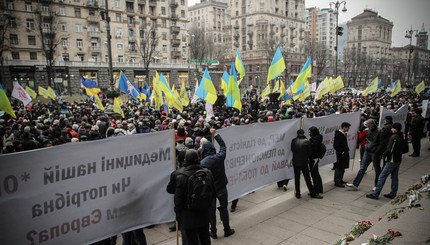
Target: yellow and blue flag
<point x="323" y="88"/>
<point x="90" y="86"/>
<point x="233" y="94"/>
<point x="31" y="92"/>
<point x="396" y="88"/>
<point x="43" y="92"/>
<point x="282" y="89"/>
<point x="206" y="90"/>
<point x="277" y="66"/>
<point x="276" y="87"/>
<point x="184" y="96"/>
<point x="117" y="102"/>
<point x="373" y="86"/>
<point x="5" y="103"/>
<point x="240" y="67"/>
<point x="98" y="102"/>
<point x="224" y="82"/>
<point x="51" y="93"/>
<point x="171" y="98"/>
<point x="337" y="84"/>
<point x="265" y="91"/>
<point x="128" y="87"/>
<point x="303" y="76"/>
<point x="420" y="87"/>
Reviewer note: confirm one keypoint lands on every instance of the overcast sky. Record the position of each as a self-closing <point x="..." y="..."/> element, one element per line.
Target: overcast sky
<point x="403" y="14"/>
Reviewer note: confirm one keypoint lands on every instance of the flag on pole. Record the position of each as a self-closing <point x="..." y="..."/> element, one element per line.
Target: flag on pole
<point x="396" y="88"/>
<point x="91" y="87"/>
<point x="5" y="103"/>
<point x="184" y="96"/>
<point x="117" y="106"/>
<point x="206" y="90"/>
<point x="373" y="86"/>
<point x="420" y="87"/>
<point x="240" y="67"/>
<point x="303" y="76"/>
<point x="43" y="92"/>
<point x="282" y="89"/>
<point x="277" y="66"/>
<point x="172" y="100"/>
<point x="337" y="84"/>
<point x="276" y="87"/>
<point x="265" y="91"/>
<point x="31" y="92"/>
<point x="233" y="94"/>
<point x="51" y="93"/>
<point x="209" y="111"/>
<point x="224" y="82"/>
<point x="128" y="87"/>
<point x="195" y="97"/>
<point x="20" y="93"/>
<point x="98" y="103"/>
<point x="156" y="92"/>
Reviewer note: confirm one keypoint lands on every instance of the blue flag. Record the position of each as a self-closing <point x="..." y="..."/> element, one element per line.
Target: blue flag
<point x="128" y="87"/>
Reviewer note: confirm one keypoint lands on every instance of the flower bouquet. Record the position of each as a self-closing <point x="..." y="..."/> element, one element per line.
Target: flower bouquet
<point x="358" y="229"/>
<point x="395" y="213"/>
<point x="385" y="239"/>
<point x="399" y="199"/>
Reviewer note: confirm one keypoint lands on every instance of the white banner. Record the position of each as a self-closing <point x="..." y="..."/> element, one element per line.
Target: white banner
<point x="327" y="126"/>
<point x="398" y="117"/>
<point x="83" y="192"/>
<point x="426" y="109"/>
<point x="258" y="155"/>
<point x="20" y="93"/>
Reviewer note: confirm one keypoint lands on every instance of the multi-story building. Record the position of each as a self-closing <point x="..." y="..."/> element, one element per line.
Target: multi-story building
<point x="423" y="38"/>
<point x="258" y="28"/>
<point x="78" y="29"/>
<point x="368" y="49"/>
<point x="413" y="72"/>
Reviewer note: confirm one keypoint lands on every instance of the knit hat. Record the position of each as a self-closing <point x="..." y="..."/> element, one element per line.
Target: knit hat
<point x="389" y="118"/>
<point x="397" y="126"/>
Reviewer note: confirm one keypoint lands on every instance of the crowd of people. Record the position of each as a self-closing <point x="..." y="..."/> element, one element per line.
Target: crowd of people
<point x="59" y="122"/>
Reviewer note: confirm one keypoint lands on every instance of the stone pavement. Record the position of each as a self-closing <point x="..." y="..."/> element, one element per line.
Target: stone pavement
<point x="271" y="216"/>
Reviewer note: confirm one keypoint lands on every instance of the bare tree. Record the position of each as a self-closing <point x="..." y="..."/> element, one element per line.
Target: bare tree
<point x="321" y="57"/>
<point x="199" y="45"/>
<point x="47" y="26"/>
<point x="148" y="44"/>
<point x="5" y="19"/>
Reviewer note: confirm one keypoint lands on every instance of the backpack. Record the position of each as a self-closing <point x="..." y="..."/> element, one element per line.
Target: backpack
<point x="404" y="146"/>
<point x="200" y="189"/>
<point x="322" y="151"/>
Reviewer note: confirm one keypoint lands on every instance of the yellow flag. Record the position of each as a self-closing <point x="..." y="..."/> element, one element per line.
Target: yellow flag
<point x="276" y="88"/>
<point x="43" y="92"/>
<point x="184" y="96"/>
<point x="420" y="87"/>
<point x="51" y="94"/>
<point x="99" y="103"/>
<point x="31" y="92"/>
<point x="265" y="91"/>
<point x="117" y="106"/>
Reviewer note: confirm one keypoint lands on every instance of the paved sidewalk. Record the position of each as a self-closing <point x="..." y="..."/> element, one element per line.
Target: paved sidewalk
<point x="271" y="216"/>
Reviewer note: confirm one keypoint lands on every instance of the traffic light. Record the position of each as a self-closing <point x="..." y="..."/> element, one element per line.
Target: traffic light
<point x="339" y="30"/>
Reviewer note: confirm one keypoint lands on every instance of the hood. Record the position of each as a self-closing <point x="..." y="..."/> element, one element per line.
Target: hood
<point x="208" y="149"/>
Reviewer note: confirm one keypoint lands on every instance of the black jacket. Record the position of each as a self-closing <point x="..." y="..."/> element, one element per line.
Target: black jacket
<point x="316" y="142"/>
<point x="393" y="152"/>
<point x="372" y="140"/>
<point x="301" y="148"/>
<point x="384" y="136"/>
<point x="215" y="162"/>
<point x="340" y="144"/>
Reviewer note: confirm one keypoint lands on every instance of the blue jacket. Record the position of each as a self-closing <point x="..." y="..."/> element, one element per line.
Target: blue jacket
<point x="215" y="162"/>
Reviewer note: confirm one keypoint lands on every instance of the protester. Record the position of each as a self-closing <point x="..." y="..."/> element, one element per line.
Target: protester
<point x="393" y="158"/>
<point x="416" y="129"/>
<point x="340" y="145"/>
<point x="385" y="134"/>
<point x="215" y="162"/>
<point x="301" y="149"/>
<point x="316" y="141"/>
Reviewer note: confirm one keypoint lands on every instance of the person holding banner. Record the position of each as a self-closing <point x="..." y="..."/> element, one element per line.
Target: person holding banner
<point x="340" y="145"/>
<point x="301" y="148"/>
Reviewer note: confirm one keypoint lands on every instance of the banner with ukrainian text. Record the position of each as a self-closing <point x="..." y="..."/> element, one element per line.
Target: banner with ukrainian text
<point x="399" y="116"/>
<point x="327" y="126"/>
<point x="258" y="155"/>
<point x="79" y="193"/>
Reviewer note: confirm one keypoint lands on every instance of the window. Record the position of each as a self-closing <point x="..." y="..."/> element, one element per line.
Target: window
<point x="45" y="8"/>
<point x="130" y="20"/>
<point x="10" y="5"/>
<point x="31" y="40"/>
<point x="78" y="12"/>
<point x="129" y="6"/>
<point x="183" y="26"/>
<point x="120" y="58"/>
<point x="13" y="39"/>
<point x="131" y="46"/>
<point x="119" y="32"/>
<point x="33" y="55"/>
<point x="64" y="42"/>
<point x="164" y="48"/>
<point x="106" y="58"/>
<point x="12" y="22"/>
<point x="63" y="27"/>
<point x="62" y="11"/>
<point x="65" y="56"/>
<point x="164" y="23"/>
<point x="184" y="49"/>
<point x="163" y="10"/>
<point x="118" y="17"/>
<point x="182" y="2"/>
<point x="119" y="45"/>
<point x="117" y="3"/>
<point x="30" y="24"/>
<point x="94" y="58"/>
<point x="79" y="43"/>
<point x="78" y="28"/>
<point x="164" y="35"/>
<point x="28" y="7"/>
<point x="140" y="8"/>
<point x="183" y="13"/>
<point x="81" y="57"/>
<point x="15" y="55"/>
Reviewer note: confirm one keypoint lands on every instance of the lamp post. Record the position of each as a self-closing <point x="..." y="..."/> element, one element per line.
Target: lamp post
<point x="339" y="29"/>
<point x="409" y="34"/>
<point x="189" y="55"/>
<point x="105" y="16"/>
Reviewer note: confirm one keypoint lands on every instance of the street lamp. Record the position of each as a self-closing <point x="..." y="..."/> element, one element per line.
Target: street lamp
<point x="339" y="30"/>
<point x="189" y="55"/>
<point x="409" y="34"/>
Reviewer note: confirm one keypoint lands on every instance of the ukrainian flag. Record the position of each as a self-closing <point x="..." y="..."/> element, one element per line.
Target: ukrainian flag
<point x="206" y="90"/>
<point x="239" y="65"/>
<point x="98" y="102"/>
<point x="31" y="92"/>
<point x="90" y="86"/>
<point x="304" y="74"/>
<point x="117" y="106"/>
<point x="397" y="87"/>
<point x="51" y="93"/>
<point x="173" y="101"/>
<point x="277" y="66"/>
<point x="282" y="89"/>
<point x="265" y="91"/>
<point x="373" y="86"/>
<point x="276" y="88"/>
<point x="420" y="87"/>
<point x="233" y="95"/>
<point x="224" y="82"/>
<point x="184" y="96"/>
<point x="128" y="87"/>
<point x="43" y="92"/>
<point x="338" y="84"/>
<point x="5" y="104"/>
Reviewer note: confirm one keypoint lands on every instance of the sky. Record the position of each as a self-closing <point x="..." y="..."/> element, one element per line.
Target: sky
<point x="403" y="14"/>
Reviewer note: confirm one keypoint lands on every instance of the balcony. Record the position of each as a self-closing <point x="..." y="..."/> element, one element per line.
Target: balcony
<point x="131" y="38"/>
<point x="173" y="4"/>
<point x="94" y="34"/>
<point x="175" y="42"/>
<point x="153" y="3"/>
<point x="176" y="54"/>
<point x="95" y="49"/>
<point x="174" y="17"/>
<point x="175" y="29"/>
<point x="92" y="4"/>
<point x="93" y="18"/>
<point x="141" y="1"/>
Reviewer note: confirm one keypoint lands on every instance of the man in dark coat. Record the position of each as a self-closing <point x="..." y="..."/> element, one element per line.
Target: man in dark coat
<point x="316" y="141"/>
<point x="340" y="144"/>
<point x="194" y="224"/>
<point x="416" y="129"/>
<point x="301" y="148"/>
<point x="384" y="135"/>
<point x="215" y="162"/>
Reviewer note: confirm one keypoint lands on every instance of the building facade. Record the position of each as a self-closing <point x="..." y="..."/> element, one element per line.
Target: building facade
<point x="423" y="38"/>
<point x="77" y="31"/>
<point x="410" y="73"/>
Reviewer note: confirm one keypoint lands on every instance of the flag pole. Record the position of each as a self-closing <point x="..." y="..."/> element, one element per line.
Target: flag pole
<point x="175" y="168"/>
